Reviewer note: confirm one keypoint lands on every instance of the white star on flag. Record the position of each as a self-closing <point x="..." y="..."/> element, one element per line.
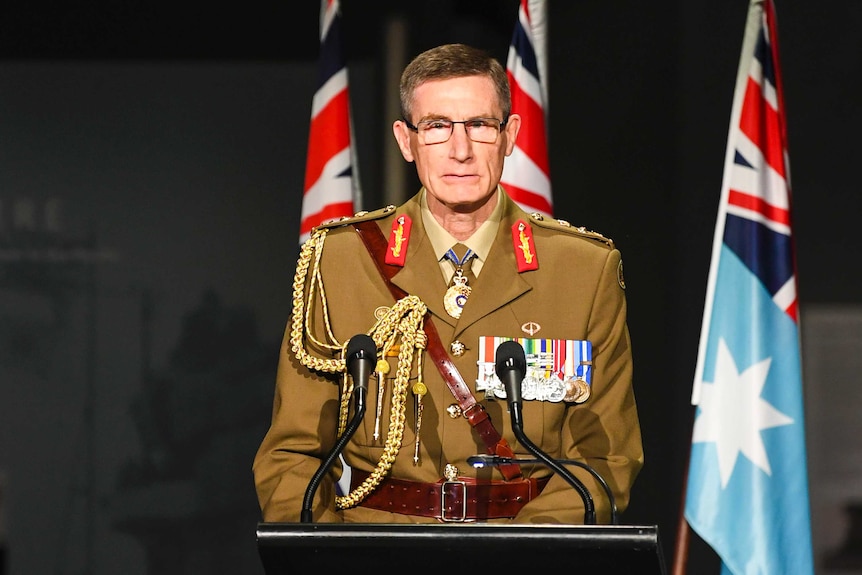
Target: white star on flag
<point x="733" y="413"/>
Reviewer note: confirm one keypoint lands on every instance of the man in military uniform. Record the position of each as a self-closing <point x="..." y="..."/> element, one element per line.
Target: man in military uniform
<point x="436" y="315"/>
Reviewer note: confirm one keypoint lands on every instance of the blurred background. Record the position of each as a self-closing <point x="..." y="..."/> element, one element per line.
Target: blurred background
<point x="151" y="169"/>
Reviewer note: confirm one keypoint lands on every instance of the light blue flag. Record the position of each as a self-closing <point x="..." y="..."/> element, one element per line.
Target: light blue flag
<point x="747" y="489"/>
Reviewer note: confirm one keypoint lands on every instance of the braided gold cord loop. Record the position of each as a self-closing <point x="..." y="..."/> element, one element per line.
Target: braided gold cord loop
<point x="405" y="317"/>
<point x="302" y="305"/>
<point x="399" y="328"/>
<point x="344" y="404"/>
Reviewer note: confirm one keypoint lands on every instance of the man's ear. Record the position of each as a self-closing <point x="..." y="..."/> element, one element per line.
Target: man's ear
<point x="513" y="126"/>
<point x="402" y="136"/>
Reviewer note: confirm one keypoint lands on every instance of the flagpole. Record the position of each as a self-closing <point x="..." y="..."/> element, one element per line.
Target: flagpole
<point x="395" y="174"/>
<point x="539" y="29"/>
<point x="683" y="531"/>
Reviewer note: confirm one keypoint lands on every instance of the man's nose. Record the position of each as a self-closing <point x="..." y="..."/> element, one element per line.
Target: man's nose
<point x="462" y="145"/>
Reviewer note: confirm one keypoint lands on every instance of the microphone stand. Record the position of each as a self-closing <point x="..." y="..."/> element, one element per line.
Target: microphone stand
<point x="487" y="460"/>
<point x="511" y="367"/>
<point x="306" y="514"/>
<point x="360" y="360"/>
<point x="589" y="508"/>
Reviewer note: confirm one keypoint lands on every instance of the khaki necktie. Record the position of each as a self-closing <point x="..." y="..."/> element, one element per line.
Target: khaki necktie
<point x="463" y="258"/>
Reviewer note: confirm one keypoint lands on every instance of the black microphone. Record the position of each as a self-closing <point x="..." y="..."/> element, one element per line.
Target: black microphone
<point x="511" y="367"/>
<point x="361" y="358"/>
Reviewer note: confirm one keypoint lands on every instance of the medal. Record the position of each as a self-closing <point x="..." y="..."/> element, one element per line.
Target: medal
<point x="557" y="369"/>
<point x="577" y="390"/>
<point x="457" y="294"/>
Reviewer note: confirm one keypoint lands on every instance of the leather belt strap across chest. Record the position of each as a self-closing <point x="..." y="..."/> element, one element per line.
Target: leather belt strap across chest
<point x="473" y="411"/>
<point x="460" y="500"/>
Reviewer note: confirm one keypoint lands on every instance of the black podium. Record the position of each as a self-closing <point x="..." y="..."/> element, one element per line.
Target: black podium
<point x="288" y="548"/>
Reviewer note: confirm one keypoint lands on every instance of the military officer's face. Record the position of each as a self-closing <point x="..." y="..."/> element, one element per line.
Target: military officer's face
<point x="461" y="172"/>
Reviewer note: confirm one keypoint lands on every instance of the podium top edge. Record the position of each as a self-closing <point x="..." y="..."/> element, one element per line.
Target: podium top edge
<point x="296" y="533"/>
<point x="287" y="548"/>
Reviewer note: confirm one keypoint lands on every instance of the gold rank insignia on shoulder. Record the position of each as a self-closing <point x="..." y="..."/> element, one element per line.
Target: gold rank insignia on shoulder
<point x="564" y="225"/>
<point x="359" y="216"/>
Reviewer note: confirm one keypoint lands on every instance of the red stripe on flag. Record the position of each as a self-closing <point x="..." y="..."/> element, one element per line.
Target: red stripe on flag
<point x="762" y="125"/>
<point x="524" y="197"/>
<point x="755" y="204"/>
<point x="329" y="212"/>
<point x="793" y="310"/>
<point x="328" y="135"/>
<point x="531" y="139"/>
<point x="772" y="31"/>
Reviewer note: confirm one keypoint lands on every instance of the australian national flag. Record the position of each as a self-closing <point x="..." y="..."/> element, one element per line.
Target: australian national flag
<point x="526" y="173"/>
<point x="747" y="489"/>
<point x="329" y="192"/>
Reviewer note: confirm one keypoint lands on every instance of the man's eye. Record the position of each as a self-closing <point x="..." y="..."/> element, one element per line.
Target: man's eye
<point x="478" y="124"/>
<point x="441" y="125"/>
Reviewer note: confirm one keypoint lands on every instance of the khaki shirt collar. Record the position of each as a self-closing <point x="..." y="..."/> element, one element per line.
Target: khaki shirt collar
<point x="480" y="242"/>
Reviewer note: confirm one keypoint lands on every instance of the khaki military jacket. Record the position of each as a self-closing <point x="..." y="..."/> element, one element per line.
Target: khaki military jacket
<point x="577" y="293"/>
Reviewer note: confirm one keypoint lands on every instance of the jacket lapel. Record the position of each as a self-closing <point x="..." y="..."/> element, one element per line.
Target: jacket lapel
<point x="499" y="283"/>
<point x="421" y="275"/>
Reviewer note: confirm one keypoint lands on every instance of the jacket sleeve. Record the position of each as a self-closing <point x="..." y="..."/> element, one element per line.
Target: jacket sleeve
<point x="301" y="434"/>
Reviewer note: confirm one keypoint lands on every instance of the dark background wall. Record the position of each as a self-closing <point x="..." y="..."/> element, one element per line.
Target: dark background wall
<point x="151" y="164"/>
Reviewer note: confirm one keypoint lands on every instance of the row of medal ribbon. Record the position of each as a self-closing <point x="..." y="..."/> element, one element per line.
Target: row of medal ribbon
<point x="557" y="369"/>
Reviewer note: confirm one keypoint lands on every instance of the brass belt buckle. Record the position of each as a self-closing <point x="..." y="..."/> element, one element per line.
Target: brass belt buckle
<point x="450" y="488"/>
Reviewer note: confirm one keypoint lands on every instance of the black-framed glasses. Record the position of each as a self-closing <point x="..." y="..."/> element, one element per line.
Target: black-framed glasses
<point x="482" y="130"/>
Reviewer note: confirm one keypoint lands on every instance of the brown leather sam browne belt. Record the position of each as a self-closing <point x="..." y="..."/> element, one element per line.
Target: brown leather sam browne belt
<point x="458" y="500"/>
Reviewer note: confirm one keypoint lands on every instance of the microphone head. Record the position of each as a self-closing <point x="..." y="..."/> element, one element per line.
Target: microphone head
<point x="361" y="346"/>
<point x="510" y="356"/>
<point x="361" y="357"/>
<point x="511" y="367"/>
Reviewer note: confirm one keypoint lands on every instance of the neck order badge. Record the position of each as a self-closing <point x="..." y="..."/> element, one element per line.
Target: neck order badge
<point x="457" y="294"/>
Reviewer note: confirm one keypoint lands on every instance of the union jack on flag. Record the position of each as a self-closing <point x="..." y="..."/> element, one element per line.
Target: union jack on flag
<point x="747" y="489"/>
<point x="329" y="175"/>
<point x="526" y="173"/>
